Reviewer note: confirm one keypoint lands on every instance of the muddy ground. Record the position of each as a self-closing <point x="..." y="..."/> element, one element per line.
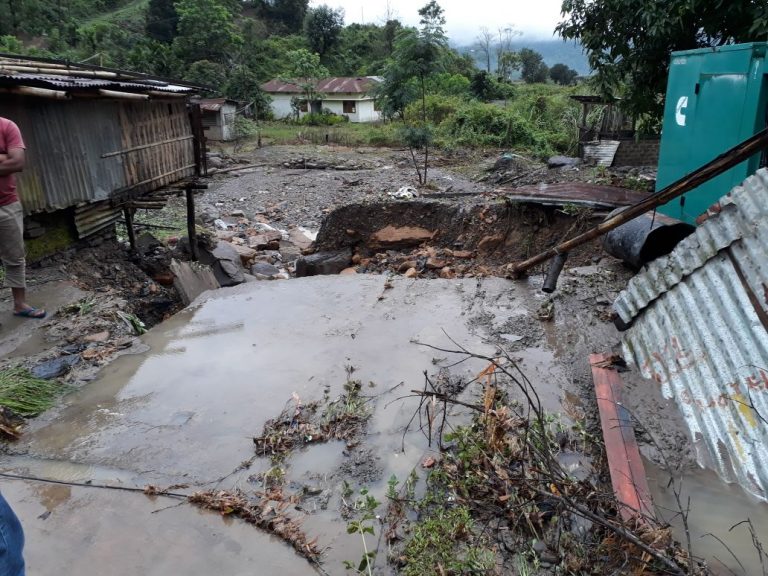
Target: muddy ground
<point x="103" y="297"/>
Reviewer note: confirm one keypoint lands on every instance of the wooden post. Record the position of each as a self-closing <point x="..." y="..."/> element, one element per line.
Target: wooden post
<point x="191" y="232"/>
<point x="128" y="213"/>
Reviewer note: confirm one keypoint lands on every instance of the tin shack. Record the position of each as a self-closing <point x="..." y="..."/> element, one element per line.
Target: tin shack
<point x="97" y="139"/>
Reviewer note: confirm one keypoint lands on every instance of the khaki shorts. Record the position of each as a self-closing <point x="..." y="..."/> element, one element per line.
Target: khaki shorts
<point x="12" y="251"/>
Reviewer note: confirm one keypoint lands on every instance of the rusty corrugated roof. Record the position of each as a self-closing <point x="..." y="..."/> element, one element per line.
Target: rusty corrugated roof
<point x="62" y="75"/>
<point x="581" y="193"/>
<point x="700" y="331"/>
<point x="334" y="85"/>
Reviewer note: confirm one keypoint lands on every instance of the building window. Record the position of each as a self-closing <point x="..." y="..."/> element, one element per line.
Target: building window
<point x="303" y="106"/>
<point x="350" y="106"/>
<point x="377" y="105"/>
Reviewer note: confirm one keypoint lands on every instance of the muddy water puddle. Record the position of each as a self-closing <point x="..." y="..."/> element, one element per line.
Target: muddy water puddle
<point x="188" y="410"/>
<point x="715" y="507"/>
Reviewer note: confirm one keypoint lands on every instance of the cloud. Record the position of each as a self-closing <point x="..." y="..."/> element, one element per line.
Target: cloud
<point x="536" y="20"/>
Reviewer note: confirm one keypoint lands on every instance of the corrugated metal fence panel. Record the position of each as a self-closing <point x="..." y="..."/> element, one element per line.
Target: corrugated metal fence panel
<point x="65" y="141"/>
<point x="701" y="333"/>
<point x="90" y="218"/>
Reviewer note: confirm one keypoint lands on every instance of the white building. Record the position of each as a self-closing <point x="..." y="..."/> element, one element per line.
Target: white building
<point x="219" y="118"/>
<point x="347" y="96"/>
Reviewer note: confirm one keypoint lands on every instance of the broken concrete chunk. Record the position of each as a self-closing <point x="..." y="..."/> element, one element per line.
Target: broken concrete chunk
<point x="393" y="237"/>
<point x="54" y="368"/>
<point x="323" y="263"/>
<point x="192" y="279"/>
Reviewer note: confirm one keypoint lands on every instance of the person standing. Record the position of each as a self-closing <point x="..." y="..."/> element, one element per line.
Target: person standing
<point x="12" y="253"/>
<point x="11" y="542"/>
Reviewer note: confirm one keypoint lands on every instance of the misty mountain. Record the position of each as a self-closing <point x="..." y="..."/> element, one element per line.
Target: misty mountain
<point x="553" y="51"/>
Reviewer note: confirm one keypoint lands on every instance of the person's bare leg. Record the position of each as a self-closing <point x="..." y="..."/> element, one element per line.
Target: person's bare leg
<point x="20" y="304"/>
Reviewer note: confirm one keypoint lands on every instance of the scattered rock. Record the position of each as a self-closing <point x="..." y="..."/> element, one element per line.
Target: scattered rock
<point x="435" y="263"/>
<point x="246" y="254"/>
<point x="348" y="272"/>
<point x="447" y="273"/>
<point x="400" y="237"/>
<point x="54" y="368"/>
<point x="405" y="193"/>
<point x="97" y="337"/>
<point x="411" y="273"/>
<point x="323" y="263"/>
<point x="264" y="271"/>
<point x="490" y="243"/>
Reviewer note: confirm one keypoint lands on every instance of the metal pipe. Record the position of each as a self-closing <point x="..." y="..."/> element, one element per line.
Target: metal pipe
<point x="555" y="267"/>
<point x="722" y="163"/>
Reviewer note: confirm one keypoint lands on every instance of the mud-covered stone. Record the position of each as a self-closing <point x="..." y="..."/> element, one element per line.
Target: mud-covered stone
<point x="323" y="263"/>
<point x="54" y="368"/>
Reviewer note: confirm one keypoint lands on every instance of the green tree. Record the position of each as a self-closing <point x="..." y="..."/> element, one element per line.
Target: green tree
<point x="482" y="86"/>
<point x="207" y="73"/>
<point x="286" y="15"/>
<point x="206" y="31"/>
<point x="322" y="26"/>
<point x="162" y="19"/>
<point x="562" y="74"/>
<point x="532" y="68"/>
<point x="417" y="56"/>
<point x="628" y="42"/>
<point x="244" y="85"/>
<point x="304" y="69"/>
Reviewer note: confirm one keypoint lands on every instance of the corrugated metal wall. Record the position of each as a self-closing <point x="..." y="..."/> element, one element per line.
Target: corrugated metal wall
<point x="67" y="141"/>
<point x="701" y="332"/>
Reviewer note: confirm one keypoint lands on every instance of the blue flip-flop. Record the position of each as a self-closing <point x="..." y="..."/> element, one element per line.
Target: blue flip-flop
<point x="31" y="313"/>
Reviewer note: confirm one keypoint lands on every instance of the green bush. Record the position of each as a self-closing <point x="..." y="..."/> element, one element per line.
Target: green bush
<point x="438" y="106"/>
<point x="540" y="119"/>
<point x="324" y="118"/>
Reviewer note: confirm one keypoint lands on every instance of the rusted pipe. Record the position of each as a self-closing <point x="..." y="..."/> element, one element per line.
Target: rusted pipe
<point x="723" y="162"/>
<point x="555" y="267"/>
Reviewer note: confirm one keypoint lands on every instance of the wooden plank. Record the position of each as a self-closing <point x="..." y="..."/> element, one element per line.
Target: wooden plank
<point x="624" y="462"/>
<point x="145" y="146"/>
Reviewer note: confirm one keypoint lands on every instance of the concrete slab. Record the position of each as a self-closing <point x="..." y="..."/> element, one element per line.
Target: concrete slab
<point x="186" y="412"/>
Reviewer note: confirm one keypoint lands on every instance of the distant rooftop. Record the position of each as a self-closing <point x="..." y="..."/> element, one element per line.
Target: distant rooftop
<point x="334" y="85"/>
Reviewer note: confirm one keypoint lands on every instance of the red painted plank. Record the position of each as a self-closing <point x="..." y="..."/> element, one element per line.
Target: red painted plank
<point x="627" y="471"/>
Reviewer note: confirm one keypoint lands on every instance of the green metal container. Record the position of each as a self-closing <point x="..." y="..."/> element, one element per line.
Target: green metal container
<point x="716" y="98"/>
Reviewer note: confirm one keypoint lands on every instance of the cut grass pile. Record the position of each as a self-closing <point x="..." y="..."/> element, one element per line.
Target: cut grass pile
<point x="26" y="395"/>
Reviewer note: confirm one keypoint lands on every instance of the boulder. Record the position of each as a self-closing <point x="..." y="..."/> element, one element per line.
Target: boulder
<point x="323" y="263"/>
<point x="264" y="271"/>
<point x="400" y="237"/>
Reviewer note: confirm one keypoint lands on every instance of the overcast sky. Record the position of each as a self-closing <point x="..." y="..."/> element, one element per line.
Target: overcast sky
<point x="536" y="19"/>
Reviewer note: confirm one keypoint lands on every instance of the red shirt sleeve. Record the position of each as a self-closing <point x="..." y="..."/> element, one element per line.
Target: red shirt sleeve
<point x="13" y="137"/>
